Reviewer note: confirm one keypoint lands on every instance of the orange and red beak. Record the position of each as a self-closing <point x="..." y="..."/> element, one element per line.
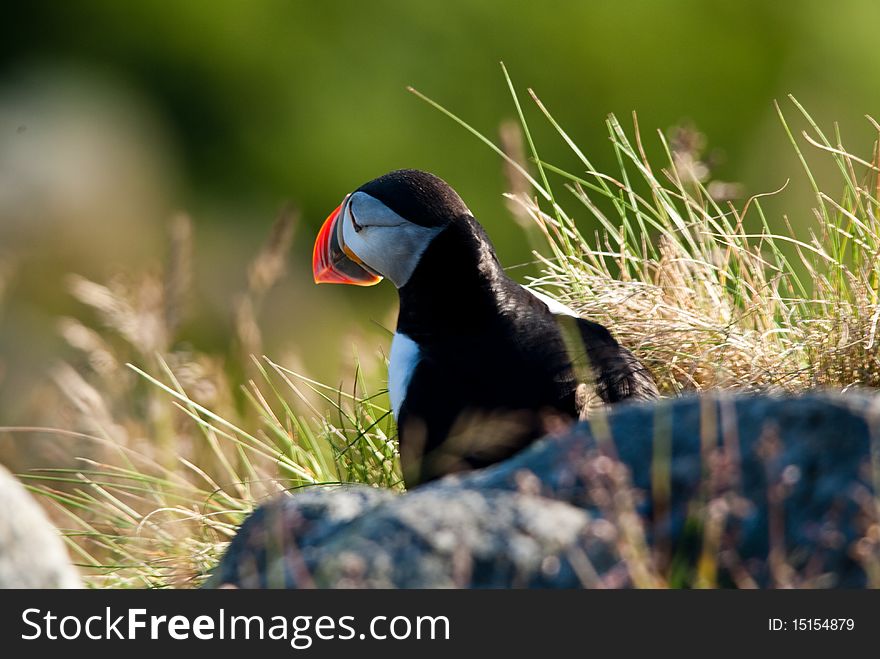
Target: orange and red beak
<point x="332" y="263"/>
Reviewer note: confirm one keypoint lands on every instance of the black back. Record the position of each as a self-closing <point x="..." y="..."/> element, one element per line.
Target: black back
<point x="493" y="362"/>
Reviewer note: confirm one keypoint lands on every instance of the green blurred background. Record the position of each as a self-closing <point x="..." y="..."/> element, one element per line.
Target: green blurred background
<point x="115" y="115"/>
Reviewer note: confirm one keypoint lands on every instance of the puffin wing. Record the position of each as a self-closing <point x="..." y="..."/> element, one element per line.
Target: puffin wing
<point x="617" y="374"/>
<point x="599" y="360"/>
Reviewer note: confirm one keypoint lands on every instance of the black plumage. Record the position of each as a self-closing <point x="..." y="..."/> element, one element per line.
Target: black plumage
<point x="422" y="198"/>
<point x="493" y="365"/>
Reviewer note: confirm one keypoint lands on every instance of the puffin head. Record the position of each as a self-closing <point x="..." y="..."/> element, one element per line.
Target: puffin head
<point x="383" y="228"/>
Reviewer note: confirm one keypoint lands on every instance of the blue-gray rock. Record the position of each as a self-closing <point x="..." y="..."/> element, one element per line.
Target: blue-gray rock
<point x="267" y="551"/>
<point x="716" y="490"/>
<point x="445" y="537"/>
<point x="32" y="554"/>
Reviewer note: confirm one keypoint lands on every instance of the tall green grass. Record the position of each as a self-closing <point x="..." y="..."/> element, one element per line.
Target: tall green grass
<point x="697" y="286"/>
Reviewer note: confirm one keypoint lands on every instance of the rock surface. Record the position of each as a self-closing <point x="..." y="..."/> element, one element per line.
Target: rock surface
<point x="716" y="490"/>
<point x="32" y="554"/>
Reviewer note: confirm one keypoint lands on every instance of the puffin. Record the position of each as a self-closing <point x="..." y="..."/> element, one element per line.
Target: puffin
<point x="480" y="366"/>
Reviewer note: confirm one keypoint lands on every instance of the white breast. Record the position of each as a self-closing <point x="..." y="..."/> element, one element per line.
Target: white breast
<point x="402" y="362"/>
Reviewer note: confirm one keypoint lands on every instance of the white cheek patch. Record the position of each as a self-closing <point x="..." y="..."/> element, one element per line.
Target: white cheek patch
<point x="389" y="244"/>
<point x="555" y="306"/>
<point x="405" y="355"/>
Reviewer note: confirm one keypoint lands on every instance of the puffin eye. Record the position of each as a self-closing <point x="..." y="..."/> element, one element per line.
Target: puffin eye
<point x="354" y="223"/>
